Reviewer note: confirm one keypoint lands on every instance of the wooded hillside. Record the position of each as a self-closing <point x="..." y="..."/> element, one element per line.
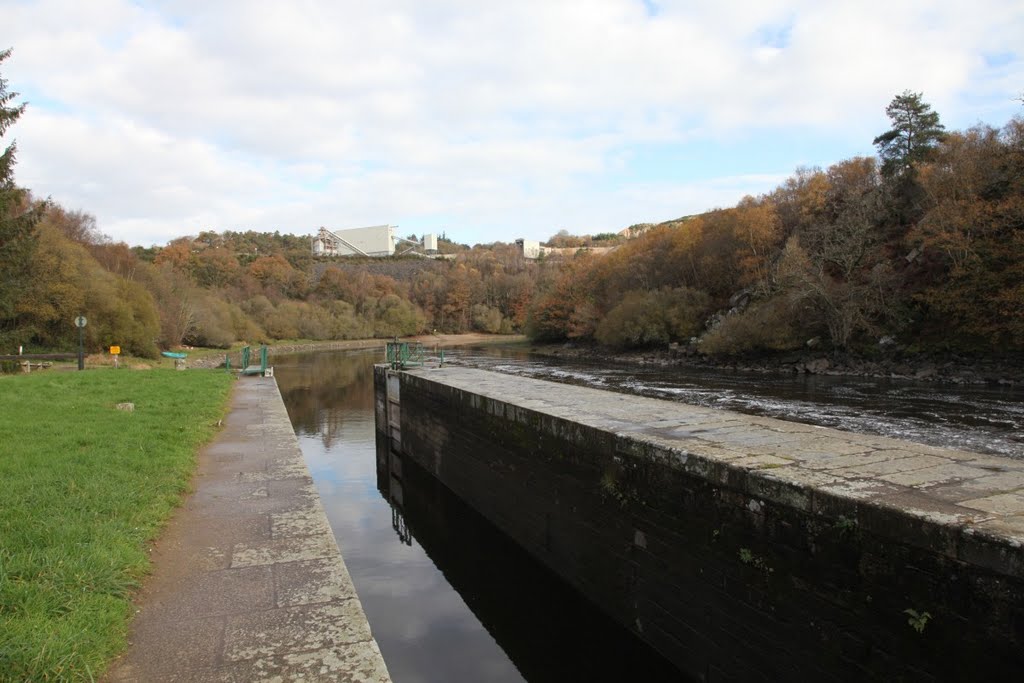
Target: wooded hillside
<point x="922" y="247"/>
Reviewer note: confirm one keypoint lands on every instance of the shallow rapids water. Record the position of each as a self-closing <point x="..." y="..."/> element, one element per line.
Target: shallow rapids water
<point x="982" y="419"/>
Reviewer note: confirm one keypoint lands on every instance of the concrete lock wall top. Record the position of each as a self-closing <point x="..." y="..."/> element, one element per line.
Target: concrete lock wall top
<point x="739" y="546"/>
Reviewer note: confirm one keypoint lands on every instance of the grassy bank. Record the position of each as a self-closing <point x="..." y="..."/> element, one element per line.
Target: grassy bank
<point x="84" y="488"/>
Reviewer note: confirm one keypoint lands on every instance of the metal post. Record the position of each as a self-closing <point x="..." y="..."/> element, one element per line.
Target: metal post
<point x="80" y="323"/>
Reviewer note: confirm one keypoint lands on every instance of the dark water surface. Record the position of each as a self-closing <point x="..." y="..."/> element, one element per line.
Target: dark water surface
<point x="449" y="598"/>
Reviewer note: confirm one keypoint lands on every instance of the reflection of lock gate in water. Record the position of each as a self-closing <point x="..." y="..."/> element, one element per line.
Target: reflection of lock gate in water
<point x="389" y="482"/>
<point x="524" y="605"/>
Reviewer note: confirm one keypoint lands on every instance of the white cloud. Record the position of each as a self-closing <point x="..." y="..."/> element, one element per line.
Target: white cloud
<point x="499" y="119"/>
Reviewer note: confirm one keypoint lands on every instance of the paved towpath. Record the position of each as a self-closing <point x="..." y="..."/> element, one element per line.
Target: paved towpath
<point x="248" y="582"/>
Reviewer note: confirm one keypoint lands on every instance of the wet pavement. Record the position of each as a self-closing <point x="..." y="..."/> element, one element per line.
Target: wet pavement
<point x="248" y="582"/>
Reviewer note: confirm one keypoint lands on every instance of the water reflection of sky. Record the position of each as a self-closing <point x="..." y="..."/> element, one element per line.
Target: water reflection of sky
<point x="437" y="604"/>
<point x="415" y="614"/>
<point x="426" y="630"/>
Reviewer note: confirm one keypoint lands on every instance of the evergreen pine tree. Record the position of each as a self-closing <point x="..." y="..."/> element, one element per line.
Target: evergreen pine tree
<point x="914" y="134"/>
<point x="17" y="218"/>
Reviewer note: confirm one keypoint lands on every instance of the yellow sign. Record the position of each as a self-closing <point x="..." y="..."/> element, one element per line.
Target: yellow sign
<point x="115" y="350"/>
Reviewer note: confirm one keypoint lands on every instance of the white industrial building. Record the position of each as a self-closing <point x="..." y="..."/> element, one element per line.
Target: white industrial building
<point x="376" y="240"/>
<point x="532" y="249"/>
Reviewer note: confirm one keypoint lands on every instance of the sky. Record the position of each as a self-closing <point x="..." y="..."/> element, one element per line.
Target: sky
<point x="477" y="119"/>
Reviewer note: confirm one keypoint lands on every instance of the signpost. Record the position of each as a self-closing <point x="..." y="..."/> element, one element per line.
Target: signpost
<point x="115" y="351"/>
<point x="80" y="322"/>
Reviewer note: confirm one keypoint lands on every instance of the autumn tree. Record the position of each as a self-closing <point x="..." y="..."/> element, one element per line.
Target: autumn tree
<point x="425" y="292"/>
<point x="800" y="200"/>
<point x="277" y="276"/>
<point x="66" y="280"/>
<point x="973" y="239"/>
<point x="511" y="295"/>
<point x="846" y="307"/>
<point x="177" y="254"/>
<point x="758" y="231"/>
<point x="18" y="214"/>
<point x="836" y="264"/>
<point x="117" y="257"/>
<point x="846" y="227"/>
<point x="664" y="256"/>
<point x="77" y="226"/>
<point x="215" y="267"/>
<point x="462" y="287"/>
<point x="913" y="137"/>
<point x="176" y="298"/>
<point x="564" y="307"/>
<point x="333" y="285"/>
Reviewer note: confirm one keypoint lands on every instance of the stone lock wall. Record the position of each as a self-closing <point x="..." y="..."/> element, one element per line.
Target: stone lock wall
<point x="729" y="575"/>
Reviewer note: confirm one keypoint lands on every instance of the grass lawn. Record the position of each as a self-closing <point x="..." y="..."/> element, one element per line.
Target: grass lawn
<point x="83" y="488"/>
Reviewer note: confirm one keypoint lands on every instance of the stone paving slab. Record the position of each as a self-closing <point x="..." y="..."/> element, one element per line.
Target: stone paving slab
<point x="966" y="505"/>
<point x="248" y="582"/>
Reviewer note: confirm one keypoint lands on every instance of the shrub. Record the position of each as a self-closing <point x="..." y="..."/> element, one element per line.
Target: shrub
<point x="244" y="326"/>
<point x="653" y="317"/>
<point x="213" y="324"/>
<point x="486" y="318"/>
<point x="394" y="316"/>
<point x="771" y="325"/>
<point x="346" y="323"/>
<point x="284" y="323"/>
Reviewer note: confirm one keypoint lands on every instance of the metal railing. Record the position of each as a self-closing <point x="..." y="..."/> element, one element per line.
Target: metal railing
<point x="405" y="354"/>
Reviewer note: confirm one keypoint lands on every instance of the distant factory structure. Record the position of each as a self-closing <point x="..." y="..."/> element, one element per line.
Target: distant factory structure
<point x="376" y="241"/>
<point x="532" y="249"/>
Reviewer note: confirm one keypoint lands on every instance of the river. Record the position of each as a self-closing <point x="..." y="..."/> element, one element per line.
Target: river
<point x="976" y="418"/>
<point x="449" y="598"/>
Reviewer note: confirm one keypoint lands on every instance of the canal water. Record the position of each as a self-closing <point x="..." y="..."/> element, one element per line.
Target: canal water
<point x="449" y="598"/>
